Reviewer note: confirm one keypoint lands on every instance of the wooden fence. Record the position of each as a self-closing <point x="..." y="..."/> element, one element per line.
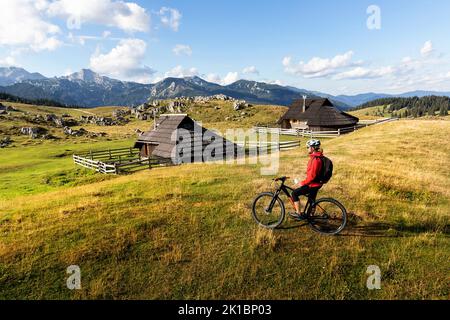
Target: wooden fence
<point x="274" y="146"/>
<point x="322" y="134"/>
<point x="117" y="161"/>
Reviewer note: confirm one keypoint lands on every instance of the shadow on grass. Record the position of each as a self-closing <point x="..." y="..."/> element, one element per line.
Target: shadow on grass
<point x="392" y="230"/>
<point x="356" y="227"/>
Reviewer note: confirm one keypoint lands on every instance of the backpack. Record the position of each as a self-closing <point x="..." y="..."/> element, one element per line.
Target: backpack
<point x="326" y="172"/>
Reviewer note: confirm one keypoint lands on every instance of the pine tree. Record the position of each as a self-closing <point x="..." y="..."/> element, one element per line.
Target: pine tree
<point x="444" y="110"/>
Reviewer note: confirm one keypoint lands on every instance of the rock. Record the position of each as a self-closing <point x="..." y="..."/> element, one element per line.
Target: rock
<point x="239" y="105"/>
<point x="121" y="113"/>
<point x="33" y="133"/>
<point x="100" y="121"/>
<point x="5" y="142"/>
<point x="48" y="137"/>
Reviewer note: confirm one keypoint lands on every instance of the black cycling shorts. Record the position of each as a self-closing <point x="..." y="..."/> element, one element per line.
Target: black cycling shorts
<point x="303" y="191"/>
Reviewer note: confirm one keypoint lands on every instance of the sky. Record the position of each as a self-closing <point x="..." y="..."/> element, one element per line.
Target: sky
<point x="337" y="47"/>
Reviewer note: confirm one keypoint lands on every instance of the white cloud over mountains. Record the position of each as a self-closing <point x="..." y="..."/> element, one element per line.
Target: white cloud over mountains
<point x="127" y="16"/>
<point x="181" y="49"/>
<point x="407" y="74"/>
<point x="170" y="18"/>
<point x="319" y="67"/>
<point x="180" y="72"/>
<point x="250" y="70"/>
<point x="427" y="49"/>
<point x="22" y="25"/>
<point x="27" y="24"/>
<point x="125" y="61"/>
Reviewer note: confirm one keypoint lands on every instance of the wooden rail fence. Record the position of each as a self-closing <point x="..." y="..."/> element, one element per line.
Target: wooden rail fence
<point x="117" y="161"/>
<point x="322" y="134"/>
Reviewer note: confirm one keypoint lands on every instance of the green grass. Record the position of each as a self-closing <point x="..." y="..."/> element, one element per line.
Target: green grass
<point x="36" y="169"/>
<point x="186" y="232"/>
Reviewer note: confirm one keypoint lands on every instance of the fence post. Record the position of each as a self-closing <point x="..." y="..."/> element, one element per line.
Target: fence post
<point x="92" y="157"/>
<point x="354" y="128"/>
<point x="149" y="163"/>
<point x="110" y="156"/>
<point x="339" y="132"/>
<point x="131" y="152"/>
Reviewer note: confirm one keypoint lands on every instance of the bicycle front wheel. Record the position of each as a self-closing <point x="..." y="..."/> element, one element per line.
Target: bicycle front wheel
<point x="328" y="217"/>
<point x="268" y="211"/>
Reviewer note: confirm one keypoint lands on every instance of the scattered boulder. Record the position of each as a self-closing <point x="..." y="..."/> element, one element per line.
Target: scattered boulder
<point x="5" y="142"/>
<point x="33" y="132"/>
<point x="82" y="132"/>
<point x="239" y="105"/>
<point x="120" y="114"/>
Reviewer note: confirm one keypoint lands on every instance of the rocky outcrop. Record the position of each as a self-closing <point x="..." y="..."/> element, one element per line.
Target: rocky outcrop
<point x="34" y="132"/>
<point x="239" y="105"/>
<point x="82" y="132"/>
<point x="52" y="120"/>
<point x="103" y="121"/>
<point x="5" y="142"/>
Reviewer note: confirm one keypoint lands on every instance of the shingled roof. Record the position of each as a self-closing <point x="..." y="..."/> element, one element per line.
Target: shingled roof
<point x="162" y="135"/>
<point x="163" y="138"/>
<point x="319" y="112"/>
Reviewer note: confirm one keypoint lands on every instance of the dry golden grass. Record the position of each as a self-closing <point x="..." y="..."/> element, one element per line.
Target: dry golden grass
<point x="187" y="232"/>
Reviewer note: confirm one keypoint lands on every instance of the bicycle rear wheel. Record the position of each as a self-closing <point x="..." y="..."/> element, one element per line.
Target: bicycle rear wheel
<point x="328" y="217"/>
<point x="267" y="211"/>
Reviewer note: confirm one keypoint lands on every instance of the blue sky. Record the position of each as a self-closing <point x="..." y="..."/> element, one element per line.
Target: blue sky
<point x="323" y="45"/>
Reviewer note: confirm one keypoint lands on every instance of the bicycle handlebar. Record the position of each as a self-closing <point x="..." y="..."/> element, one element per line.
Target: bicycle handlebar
<point x="283" y="179"/>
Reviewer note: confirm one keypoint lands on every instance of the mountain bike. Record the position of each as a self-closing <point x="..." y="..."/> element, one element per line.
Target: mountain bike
<point x="326" y="216"/>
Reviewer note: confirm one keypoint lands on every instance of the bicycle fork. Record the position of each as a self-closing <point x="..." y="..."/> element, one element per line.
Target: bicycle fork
<point x="272" y="203"/>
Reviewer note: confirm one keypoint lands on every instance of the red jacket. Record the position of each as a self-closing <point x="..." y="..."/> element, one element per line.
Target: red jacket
<point x="313" y="170"/>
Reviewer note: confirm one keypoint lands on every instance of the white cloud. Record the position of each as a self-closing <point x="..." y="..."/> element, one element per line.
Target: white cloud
<point x="22" y="25"/>
<point x="125" y="61"/>
<point x="8" y="61"/>
<point x="250" y="70"/>
<point x="230" y="78"/>
<point x="364" y="73"/>
<point x="181" y="49"/>
<point x="319" y="67"/>
<point x="170" y="18"/>
<point x="180" y="72"/>
<point x="127" y="16"/>
<point x="277" y="82"/>
<point x="213" y="77"/>
<point x="427" y="49"/>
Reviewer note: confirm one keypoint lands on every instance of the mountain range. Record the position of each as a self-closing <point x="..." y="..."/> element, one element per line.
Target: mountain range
<point x="89" y="89"/>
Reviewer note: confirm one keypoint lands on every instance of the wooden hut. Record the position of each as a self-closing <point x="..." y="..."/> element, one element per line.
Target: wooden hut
<point x="183" y="140"/>
<point x="316" y="115"/>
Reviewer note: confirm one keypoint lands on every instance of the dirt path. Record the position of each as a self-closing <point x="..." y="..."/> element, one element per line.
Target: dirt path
<point x="87" y="112"/>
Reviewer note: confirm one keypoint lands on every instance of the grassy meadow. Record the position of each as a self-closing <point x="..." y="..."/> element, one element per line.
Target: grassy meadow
<point x="186" y="232"/>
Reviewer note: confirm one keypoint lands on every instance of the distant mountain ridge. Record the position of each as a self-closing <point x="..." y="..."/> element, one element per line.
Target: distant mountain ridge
<point x="12" y="75"/>
<point x="89" y="89"/>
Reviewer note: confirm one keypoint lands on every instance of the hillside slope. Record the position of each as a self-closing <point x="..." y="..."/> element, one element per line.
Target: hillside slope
<point x="186" y="232"/>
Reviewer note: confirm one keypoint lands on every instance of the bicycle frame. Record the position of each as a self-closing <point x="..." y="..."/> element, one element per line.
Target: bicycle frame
<point x="288" y="192"/>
